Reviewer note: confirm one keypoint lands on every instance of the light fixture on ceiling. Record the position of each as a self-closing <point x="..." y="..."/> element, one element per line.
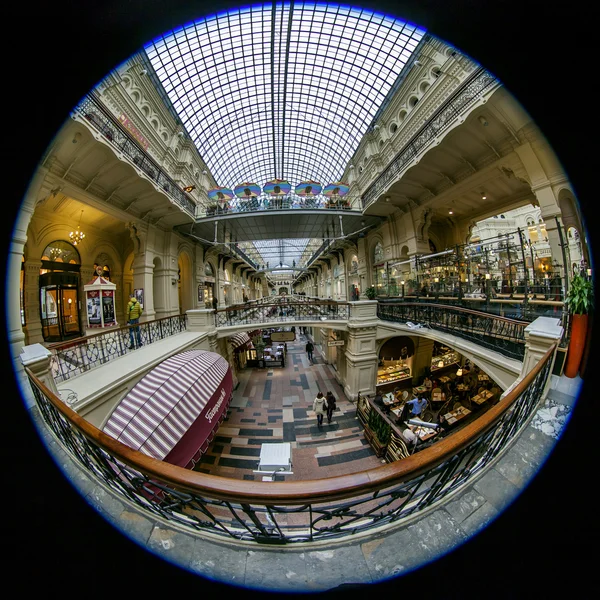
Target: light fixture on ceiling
<point x="483" y="196"/>
<point x="483" y="121"/>
<point x="76" y="137"/>
<point x="450" y="212"/>
<point x="459" y="372"/>
<point x="77" y="236"/>
<point x="388" y="198"/>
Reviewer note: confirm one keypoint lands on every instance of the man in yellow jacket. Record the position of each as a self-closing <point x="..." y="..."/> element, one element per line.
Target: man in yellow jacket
<point x="134" y="312"/>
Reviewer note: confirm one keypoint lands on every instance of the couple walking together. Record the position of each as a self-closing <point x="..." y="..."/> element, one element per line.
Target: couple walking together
<point x="324" y="406"/>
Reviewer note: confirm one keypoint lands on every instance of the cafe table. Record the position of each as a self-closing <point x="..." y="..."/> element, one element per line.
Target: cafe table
<point x="444" y="379"/>
<point x="424" y="433"/>
<point x="419" y="389"/>
<point x="483" y="377"/>
<point x="461" y="387"/>
<point x="482" y="397"/>
<point x="389" y="398"/>
<point x="456" y="415"/>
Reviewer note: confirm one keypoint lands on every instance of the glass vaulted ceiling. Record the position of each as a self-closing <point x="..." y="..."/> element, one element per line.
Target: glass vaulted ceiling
<point x="281" y="90"/>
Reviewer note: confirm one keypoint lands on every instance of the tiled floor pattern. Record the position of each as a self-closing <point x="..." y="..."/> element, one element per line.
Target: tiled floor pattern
<point x="275" y="405"/>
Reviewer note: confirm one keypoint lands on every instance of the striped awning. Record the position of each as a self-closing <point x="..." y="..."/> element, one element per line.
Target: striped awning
<point x="239" y="339"/>
<point x="175" y="408"/>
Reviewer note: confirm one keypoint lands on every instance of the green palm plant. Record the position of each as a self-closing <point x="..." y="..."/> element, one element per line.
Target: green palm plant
<point x="371" y="293"/>
<point x="580" y="297"/>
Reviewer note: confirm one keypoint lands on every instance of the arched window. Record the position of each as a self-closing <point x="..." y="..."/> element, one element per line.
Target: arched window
<point x="57" y="254"/>
<point x="208" y="270"/>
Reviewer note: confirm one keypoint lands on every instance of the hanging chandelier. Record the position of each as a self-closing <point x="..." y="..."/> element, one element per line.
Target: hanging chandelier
<point x="77" y="236"/>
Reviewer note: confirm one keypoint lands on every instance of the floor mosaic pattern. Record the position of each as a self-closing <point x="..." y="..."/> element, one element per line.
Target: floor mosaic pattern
<point x="275" y="405"/>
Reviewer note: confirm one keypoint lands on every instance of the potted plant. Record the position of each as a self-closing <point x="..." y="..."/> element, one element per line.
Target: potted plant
<point x="371" y="293"/>
<point x="579" y="302"/>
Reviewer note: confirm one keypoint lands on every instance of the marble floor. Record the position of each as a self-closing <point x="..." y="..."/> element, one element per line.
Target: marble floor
<point x="275" y="405"/>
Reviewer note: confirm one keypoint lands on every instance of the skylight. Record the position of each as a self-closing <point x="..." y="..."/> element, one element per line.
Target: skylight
<point x="279" y="90"/>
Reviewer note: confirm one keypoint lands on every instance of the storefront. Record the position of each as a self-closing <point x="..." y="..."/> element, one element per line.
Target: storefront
<point x="177" y="407"/>
<point x="60" y="304"/>
<point x="395" y="363"/>
<point x="206" y="287"/>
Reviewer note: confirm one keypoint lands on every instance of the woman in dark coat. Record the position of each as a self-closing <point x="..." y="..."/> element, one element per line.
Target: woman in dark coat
<point x="331" y="406"/>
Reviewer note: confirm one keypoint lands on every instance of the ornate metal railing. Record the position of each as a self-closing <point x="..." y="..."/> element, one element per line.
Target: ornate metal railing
<point x="504" y="335"/>
<point x="95" y="114"/>
<point x="79" y="355"/>
<point x="441" y="121"/>
<point x="282" y="311"/>
<point x="296" y="511"/>
<point x="287" y="202"/>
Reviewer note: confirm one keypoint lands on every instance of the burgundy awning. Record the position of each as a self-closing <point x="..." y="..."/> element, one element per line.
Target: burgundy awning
<point x="239" y="340"/>
<point x="175" y="409"/>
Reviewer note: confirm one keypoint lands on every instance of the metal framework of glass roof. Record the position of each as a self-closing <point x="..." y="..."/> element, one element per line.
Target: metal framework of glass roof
<point x="281" y="90"/>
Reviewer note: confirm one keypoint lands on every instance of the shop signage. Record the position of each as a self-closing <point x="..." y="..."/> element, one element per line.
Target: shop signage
<point x="336" y="343"/>
<point x="283" y="336"/>
<point x="134" y="131"/>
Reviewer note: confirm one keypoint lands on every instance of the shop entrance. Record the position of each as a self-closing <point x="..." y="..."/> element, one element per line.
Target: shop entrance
<point x="59" y="306"/>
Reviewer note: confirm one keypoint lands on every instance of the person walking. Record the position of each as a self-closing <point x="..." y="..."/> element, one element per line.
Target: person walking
<point x="309" y="350"/>
<point x="331" y="406"/>
<point x="320" y="407"/>
<point x="134" y="312"/>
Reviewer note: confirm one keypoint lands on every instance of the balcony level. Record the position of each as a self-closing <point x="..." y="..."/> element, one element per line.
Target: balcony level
<point x="391" y="531"/>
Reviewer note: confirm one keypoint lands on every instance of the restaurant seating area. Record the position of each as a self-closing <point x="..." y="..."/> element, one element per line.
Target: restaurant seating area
<point x="456" y="398"/>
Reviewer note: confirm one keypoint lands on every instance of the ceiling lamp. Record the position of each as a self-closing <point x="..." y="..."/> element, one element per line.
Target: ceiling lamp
<point x="440" y="364"/>
<point x="483" y="196"/>
<point x="77" y="236"/>
<point x="459" y="372"/>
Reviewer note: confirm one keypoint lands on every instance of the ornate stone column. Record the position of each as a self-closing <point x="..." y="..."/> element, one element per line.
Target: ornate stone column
<point x="421" y="358"/>
<point x="31" y="300"/>
<point x="361" y="351"/>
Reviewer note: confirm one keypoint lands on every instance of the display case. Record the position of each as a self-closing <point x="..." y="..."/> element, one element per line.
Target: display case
<point x="441" y="361"/>
<point x="393" y="373"/>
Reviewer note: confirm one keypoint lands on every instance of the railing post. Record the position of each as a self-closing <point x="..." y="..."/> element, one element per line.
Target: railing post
<point x="37" y="358"/>
<point x="539" y="337"/>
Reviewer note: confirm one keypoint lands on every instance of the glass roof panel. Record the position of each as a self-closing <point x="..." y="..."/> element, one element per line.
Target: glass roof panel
<point x="280" y="90"/>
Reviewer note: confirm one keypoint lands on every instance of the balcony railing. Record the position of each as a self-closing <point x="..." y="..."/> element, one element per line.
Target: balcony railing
<point x="286" y="202"/>
<point x="101" y="120"/>
<point x="296" y="511"/>
<point x="79" y="355"/>
<point x="506" y="336"/>
<point x="448" y="114"/>
<point x="282" y="311"/>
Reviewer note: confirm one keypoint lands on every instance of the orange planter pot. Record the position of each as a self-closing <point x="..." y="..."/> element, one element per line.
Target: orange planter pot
<point x="576" y="345"/>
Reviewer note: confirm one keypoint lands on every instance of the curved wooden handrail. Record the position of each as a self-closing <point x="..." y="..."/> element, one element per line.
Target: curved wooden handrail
<point x="479" y="313"/>
<point x="298" y="492"/>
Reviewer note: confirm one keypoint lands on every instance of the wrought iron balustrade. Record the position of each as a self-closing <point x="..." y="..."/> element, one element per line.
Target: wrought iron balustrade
<point x="95" y="114"/>
<point x="295" y="511"/>
<point x="281" y="311"/>
<point x="287" y="202"/>
<point x="504" y="335"/>
<point x="79" y="355"/>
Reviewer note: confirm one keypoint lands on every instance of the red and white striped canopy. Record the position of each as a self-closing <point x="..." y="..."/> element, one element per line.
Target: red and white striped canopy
<point x="239" y="339"/>
<point x="175" y="408"/>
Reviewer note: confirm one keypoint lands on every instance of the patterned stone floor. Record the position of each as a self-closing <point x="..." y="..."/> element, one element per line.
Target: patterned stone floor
<point x="275" y="405"/>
